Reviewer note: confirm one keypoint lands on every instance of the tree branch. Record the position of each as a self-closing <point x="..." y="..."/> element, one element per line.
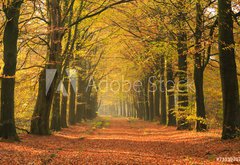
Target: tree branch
<point x="89" y="15"/>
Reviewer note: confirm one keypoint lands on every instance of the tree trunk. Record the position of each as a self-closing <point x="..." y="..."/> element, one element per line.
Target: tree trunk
<point x="64" y="104"/>
<point x="136" y="106"/>
<point x="121" y="107"/>
<point x="228" y="70"/>
<point x="183" y="124"/>
<point x="40" y="119"/>
<point x="88" y="103"/>
<point x="124" y="108"/>
<point x="146" y="100"/>
<point x="140" y="102"/>
<point x="81" y="103"/>
<point x="151" y="100"/>
<point x="94" y="105"/>
<point x="10" y="38"/>
<point x="171" y="95"/>
<point x="128" y="108"/>
<point x="72" y="104"/>
<point x="198" y="72"/>
<point x="198" y="78"/>
<point x="157" y="101"/>
<point x="163" y="102"/>
<point x="56" y="119"/>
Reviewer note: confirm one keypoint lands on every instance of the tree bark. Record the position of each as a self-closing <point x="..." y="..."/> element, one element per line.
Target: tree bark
<point x="121" y="107"/>
<point x="171" y="95"/>
<point x="10" y="38"/>
<point x="228" y="71"/>
<point x="81" y="103"/>
<point x="56" y="118"/>
<point x="198" y="72"/>
<point x="40" y="119"/>
<point x="64" y="104"/>
<point x="183" y="124"/>
<point x="163" y="102"/>
<point x="140" y="100"/>
<point x="157" y="101"/>
<point x="136" y="105"/>
<point x="72" y="104"/>
<point x="124" y="108"/>
<point x="151" y="99"/>
<point x="146" y="100"/>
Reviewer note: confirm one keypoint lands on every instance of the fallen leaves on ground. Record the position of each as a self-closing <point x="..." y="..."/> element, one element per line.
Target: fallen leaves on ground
<point x="122" y="142"/>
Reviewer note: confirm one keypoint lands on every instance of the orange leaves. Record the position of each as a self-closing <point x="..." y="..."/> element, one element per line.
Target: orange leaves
<point x="124" y="142"/>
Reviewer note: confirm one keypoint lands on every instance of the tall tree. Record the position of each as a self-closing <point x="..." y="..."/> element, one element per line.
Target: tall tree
<point x="64" y="103"/>
<point x="10" y="38"/>
<point x="163" y="99"/>
<point x="183" y="101"/>
<point x="57" y="17"/>
<point x="146" y="98"/>
<point x="228" y="71"/>
<point x="72" y="99"/>
<point x="171" y="94"/>
<point x="56" y="119"/>
<point x="40" y="121"/>
<point x="80" y="100"/>
<point x="199" y="70"/>
<point x="151" y="98"/>
<point x="157" y="101"/>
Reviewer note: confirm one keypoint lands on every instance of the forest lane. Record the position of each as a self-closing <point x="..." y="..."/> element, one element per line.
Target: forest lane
<point x="122" y="141"/>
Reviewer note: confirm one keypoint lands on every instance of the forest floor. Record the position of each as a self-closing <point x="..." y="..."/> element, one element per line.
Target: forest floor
<point x="120" y="141"/>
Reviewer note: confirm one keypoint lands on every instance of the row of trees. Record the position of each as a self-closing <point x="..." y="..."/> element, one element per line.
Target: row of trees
<point x="160" y="36"/>
<point x="169" y="33"/>
<point x="65" y="35"/>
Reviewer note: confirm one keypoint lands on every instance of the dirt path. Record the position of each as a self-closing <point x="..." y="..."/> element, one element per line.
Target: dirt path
<point x="122" y="142"/>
